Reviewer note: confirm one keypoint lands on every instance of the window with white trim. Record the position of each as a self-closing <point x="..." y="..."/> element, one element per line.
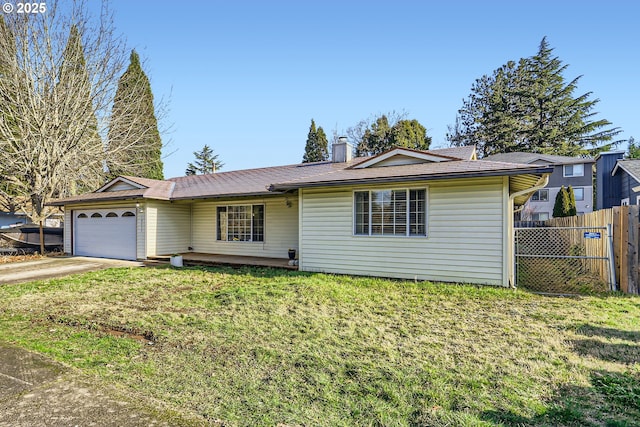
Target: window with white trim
<point x="578" y="194"/>
<point x="240" y="223"/>
<point x="540" y="196"/>
<point x="390" y="213"/>
<point x="573" y="170"/>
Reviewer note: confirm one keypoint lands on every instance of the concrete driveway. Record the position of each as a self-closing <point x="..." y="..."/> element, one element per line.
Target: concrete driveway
<point x="18" y="272"/>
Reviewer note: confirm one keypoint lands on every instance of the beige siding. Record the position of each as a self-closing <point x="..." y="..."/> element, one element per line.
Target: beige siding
<point x="281" y="228"/>
<point x="67" y="232"/>
<point x="168" y="228"/>
<point x="465" y="241"/>
<point x="140" y="223"/>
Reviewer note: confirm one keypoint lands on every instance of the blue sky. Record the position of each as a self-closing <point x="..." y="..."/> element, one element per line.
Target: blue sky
<point x="246" y="77"/>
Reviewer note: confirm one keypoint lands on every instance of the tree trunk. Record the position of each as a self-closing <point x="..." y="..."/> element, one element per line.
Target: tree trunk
<point x="41" y="239"/>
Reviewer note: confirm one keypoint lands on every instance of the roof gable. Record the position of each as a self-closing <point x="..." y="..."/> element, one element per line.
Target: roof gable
<point x="630" y="166"/>
<point x="120" y="184"/>
<point x="401" y="157"/>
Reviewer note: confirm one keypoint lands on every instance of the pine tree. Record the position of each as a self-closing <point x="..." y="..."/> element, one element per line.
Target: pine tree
<point x="316" y="149"/>
<point x="633" y="151"/>
<point x="528" y="106"/>
<point x="138" y="134"/>
<point x="206" y="162"/>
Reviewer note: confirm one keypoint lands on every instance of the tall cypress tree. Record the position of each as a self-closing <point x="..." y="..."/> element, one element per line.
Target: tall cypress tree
<point x="134" y="127"/>
<point x="563" y="206"/>
<point x="316" y="149"/>
<point x="73" y="75"/>
<point x="572" y="210"/>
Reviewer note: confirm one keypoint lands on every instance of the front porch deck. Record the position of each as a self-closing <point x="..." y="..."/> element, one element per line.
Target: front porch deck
<point x="196" y="258"/>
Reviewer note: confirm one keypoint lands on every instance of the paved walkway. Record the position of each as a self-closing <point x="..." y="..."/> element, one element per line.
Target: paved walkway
<point x="18" y="272"/>
<point x="35" y="391"/>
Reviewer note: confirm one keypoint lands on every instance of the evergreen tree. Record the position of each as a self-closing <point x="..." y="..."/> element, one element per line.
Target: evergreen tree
<point x="528" y="106"/>
<point x="206" y="162"/>
<point x="317" y="147"/>
<point x="323" y="144"/>
<point x="138" y="135"/>
<point x="633" y="151"/>
<point x="382" y="136"/>
<point x="73" y="75"/>
<point x="572" y="209"/>
<point x="562" y="205"/>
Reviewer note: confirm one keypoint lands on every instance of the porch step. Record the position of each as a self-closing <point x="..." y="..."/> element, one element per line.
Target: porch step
<point x="207" y="260"/>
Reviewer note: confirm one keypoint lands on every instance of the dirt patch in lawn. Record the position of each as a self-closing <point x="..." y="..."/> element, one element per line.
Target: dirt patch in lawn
<point x="146" y="337"/>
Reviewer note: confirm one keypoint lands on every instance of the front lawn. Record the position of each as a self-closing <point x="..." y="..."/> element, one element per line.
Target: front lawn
<point x="268" y="347"/>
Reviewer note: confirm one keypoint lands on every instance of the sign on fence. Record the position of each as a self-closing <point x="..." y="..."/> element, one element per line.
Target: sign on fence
<point x="564" y="260"/>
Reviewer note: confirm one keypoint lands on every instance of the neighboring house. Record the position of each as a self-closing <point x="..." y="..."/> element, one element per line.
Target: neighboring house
<point x="425" y="215"/>
<point x="609" y="185"/>
<point x="573" y="172"/>
<point x="628" y="170"/>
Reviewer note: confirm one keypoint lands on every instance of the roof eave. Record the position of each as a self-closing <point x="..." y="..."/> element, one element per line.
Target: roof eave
<point x="64" y="202"/>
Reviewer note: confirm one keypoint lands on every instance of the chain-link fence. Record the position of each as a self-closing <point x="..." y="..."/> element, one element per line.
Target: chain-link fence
<point x="563" y="259"/>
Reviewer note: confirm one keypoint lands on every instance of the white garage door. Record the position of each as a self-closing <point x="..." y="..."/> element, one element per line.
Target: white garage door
<point x="105" y="233"/>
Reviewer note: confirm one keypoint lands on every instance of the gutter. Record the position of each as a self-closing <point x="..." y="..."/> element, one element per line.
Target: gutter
<point x="542" y="182"/>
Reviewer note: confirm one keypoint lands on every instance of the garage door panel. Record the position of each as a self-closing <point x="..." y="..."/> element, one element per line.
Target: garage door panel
<point x="111" y="235"/>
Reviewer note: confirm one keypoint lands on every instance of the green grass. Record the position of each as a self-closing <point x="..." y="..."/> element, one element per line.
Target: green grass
<point x="268" y="347"/>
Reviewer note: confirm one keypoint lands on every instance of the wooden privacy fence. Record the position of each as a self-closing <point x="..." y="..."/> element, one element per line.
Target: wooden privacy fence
<point x="625" y="224"/>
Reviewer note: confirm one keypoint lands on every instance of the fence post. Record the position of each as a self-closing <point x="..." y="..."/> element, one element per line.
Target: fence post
<point x="621" y="278"/>
<point x="632" y="249"/>
<point x="612" y="270"/>
<point x="624" y="248"/>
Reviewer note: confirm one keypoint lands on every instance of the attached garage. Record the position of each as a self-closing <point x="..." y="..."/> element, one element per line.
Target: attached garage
<point x="105" y="233"/>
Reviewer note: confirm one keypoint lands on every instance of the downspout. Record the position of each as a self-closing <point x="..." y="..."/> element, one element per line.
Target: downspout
<point x="542" y="182"/>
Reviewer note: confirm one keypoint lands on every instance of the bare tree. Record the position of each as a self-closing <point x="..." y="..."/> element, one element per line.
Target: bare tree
<point x="59" y="72"/>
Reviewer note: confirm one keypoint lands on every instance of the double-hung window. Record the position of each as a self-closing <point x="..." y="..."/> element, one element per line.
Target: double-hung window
<point x="240" y="223"/>
<point x="540" y="196"/>
<point x="390" y="213"/>
<point x="573" y="170"/>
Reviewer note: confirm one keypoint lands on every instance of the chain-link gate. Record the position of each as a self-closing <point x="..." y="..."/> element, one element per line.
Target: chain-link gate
<point x="564" y="259"/>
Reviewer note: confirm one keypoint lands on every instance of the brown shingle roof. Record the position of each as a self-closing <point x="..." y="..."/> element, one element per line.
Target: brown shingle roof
<point x="265" y="181"/>
<point x="420" y="171"/>
<point x="462" y="153"/>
